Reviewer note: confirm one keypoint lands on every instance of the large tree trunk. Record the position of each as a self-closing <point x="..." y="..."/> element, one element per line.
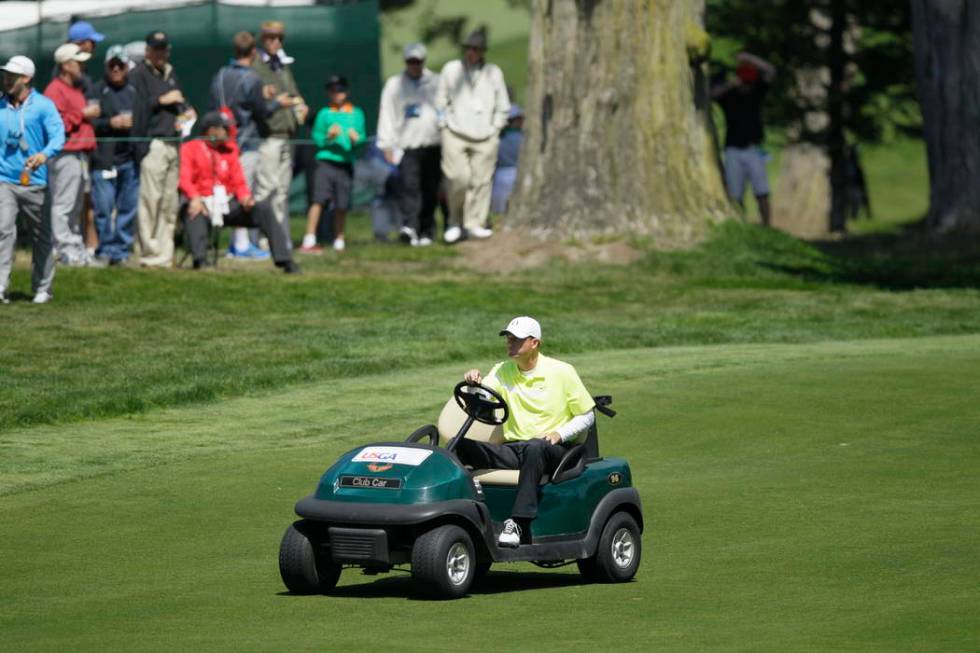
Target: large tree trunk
<point x="811" y="198"/>
<point x="947" y="63"/>
<point x="618" y="135"/>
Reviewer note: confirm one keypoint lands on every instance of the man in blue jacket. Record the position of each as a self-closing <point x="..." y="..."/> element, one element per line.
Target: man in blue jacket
<point x="31" y="132"/>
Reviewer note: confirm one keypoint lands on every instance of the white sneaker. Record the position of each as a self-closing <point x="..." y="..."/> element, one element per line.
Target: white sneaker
<point x="480" y="233"/>
<point x="338" y="245"/>
<point x="3" y="296"/>
<point x="511" y="535"/>
<point x="408" y="236"/>
<point x="452" y="234"/>
<point x="425" y="241"/>
<point x="42" y="297"/>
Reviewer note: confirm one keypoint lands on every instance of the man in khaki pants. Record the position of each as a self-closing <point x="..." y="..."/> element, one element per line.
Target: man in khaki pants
<point x="472" y="99"/>
<point x="156" y="118"/>
<point x="275" y="168"/>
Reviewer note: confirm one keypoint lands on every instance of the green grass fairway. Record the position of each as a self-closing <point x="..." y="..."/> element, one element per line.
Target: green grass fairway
<point x="798" y="497"/>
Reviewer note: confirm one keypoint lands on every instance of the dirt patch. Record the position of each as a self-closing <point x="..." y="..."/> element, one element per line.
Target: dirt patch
<point x="519" y="249"/>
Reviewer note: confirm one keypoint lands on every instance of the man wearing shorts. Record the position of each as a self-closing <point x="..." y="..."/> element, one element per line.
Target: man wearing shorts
<point x="549" y="410"/>
<point x="339" y="134"/>
<point x="741" y="100"/>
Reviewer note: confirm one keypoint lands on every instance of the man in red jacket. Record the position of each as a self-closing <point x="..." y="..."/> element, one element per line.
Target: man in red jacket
<point x="212" y="181"/>
<point x="68" y="172"/>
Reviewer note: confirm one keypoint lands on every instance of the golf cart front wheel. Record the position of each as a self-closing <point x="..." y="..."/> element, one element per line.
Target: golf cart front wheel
<point x="443" y="562"/>
<point x="303" y="568"/>
<point x="618" y="555"/>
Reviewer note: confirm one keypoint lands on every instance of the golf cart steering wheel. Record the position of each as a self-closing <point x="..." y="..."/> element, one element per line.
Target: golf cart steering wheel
<point x="480" y="402"/>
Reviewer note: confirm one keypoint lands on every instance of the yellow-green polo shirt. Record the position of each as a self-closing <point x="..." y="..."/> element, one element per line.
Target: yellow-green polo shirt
<point x="540" y="400"/>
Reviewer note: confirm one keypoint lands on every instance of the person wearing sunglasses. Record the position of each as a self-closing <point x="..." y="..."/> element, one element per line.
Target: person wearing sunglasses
<point x="408" y="134"/>
<point x="275" y="168"/>
<point x="31" y="133"/>
<point x="115" y="176"/>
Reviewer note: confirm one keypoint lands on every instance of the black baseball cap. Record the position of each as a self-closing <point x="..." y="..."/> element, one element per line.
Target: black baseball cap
<point x="337" y="80"/>
<point x="213" y="119"/>
<point x="157" y="39"/>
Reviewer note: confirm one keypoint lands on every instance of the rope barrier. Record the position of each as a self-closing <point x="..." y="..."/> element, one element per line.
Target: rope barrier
<point x="175" y="139"/>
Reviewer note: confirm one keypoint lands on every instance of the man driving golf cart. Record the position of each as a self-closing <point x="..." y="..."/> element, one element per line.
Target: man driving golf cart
<point x="549" y="410"/>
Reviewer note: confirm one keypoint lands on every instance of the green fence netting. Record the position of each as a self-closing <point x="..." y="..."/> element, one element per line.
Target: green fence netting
<point x="341" y="37"/>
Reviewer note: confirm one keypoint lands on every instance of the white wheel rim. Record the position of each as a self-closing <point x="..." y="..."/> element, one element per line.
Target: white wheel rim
<point x="458" y="563"/>
<point x="622" y="548"/>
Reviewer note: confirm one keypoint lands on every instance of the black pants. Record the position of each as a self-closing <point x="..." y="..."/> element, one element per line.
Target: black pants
<point x="419" y="174"/>
<point x="262" y="216"/>
<point x="533" y="458"/>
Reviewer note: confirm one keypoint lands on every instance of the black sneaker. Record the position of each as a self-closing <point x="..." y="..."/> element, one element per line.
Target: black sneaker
<point x="200" y="264"/>
<point x="290" y="267"/>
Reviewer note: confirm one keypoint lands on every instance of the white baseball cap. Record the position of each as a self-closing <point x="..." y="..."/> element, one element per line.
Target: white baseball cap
<point x="414" y="51"/>
<point x="19" y="65"/>
<point x="70" y="52"/>
<point x="523" y="327"/>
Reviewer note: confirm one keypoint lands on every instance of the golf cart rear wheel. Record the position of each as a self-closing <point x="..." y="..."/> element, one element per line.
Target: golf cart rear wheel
<point x="618" y="555"/>
<point x="303" y="568"/>
<point x="443" y="562"/>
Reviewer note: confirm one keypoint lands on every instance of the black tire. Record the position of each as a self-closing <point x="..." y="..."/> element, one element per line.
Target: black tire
<point x="617" y="556"/>
<point x="443" y="562"/>
<point x="303" y="568"/>
<point x="482" y="569"/>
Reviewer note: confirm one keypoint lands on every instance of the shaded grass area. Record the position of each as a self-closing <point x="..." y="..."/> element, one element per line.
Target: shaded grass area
<point x="123" y="341"/>
<point x="798" y="497"/>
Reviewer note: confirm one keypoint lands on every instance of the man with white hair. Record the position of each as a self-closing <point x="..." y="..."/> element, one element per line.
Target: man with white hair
<point x="31" y="132"/>
<point x="408" y="134"/>
<point x="549" y="408"/>
<point x="70" y="169"/>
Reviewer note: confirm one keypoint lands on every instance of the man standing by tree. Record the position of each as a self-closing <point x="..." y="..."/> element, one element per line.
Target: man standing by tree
<point x="473" y="99"/>
<point x="408" y="134"/>
<point x="161" y="102"/>
<point x="276" y="152"/>
<point x="69" y="170"/>
<point x="741" y="100"/>
<point x="31" y="132"/>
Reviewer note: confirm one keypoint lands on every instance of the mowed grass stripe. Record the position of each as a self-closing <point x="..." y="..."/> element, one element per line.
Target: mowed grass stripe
<point x="817" y="497"/>
<point x="374" y="406"/>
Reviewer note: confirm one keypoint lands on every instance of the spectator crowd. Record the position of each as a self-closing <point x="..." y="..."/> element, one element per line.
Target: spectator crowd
<point x="102" y="172"/>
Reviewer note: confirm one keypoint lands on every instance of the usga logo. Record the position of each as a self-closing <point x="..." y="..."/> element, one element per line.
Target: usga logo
<point x="378" y="455"/>
<point x="412" y="456"/>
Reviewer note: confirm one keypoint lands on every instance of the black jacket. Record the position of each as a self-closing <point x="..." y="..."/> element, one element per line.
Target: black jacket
<point x="152" y="119"/>
<point x="109" y="153"/>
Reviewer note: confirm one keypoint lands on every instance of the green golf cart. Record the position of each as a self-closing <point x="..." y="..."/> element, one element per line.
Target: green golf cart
<point x="413" y="502"/>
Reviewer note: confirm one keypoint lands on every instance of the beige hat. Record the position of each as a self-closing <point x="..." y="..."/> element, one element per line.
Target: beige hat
<point x="70" y="52"/>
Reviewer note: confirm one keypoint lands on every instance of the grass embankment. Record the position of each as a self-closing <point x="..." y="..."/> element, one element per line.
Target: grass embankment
<point x="798" y="497"/>
<point x="123" y="341"/>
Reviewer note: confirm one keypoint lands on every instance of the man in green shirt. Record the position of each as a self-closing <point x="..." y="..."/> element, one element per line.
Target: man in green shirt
<point x="339" y="134"/>
<point x="549" y="409"/>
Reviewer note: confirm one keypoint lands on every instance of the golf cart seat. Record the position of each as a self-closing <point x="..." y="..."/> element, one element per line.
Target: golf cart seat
<point x="452" y="417"/>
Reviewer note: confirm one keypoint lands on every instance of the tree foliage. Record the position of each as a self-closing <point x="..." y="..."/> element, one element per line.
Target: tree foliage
<point x="879" y="89"/>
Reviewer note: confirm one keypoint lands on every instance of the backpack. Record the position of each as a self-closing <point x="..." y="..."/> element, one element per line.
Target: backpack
<point x="223" y="106"/>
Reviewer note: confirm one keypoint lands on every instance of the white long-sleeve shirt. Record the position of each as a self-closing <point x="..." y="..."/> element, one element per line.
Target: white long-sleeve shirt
<point x="473" y="100"/>
<point x="407" y="117"/>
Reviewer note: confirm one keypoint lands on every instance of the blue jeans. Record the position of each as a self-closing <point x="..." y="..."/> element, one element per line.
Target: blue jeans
<point x="119" y="195"/>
